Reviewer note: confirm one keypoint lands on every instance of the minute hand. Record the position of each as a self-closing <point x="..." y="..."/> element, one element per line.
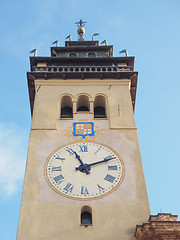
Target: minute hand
<point x="95" y="163"/>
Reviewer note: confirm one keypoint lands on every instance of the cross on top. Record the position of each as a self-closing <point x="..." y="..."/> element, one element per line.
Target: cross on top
<point x="80" y="23"/>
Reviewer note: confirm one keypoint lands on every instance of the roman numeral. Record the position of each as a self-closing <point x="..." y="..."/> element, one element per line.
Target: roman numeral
<point x="97" y="150"/>
<point x="109" y="178"/>
<point x="70" y="151"/>
<point x="84" y="190"/>
<point x="100" y="188"/>
<point x="112" y="167"/>
<point x="59" y="178"/>
<point x="56" y="168"/>
<point x="59" y="158"/>
<point x="69" y="187"/>
<point x="83" y="148"/>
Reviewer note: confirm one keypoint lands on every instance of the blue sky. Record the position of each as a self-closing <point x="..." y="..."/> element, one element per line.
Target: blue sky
<point x="149" y="30"/>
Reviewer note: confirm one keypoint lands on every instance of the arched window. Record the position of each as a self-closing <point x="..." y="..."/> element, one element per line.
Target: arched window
<point x="86" y="216"/>
<point x="66" y="107"/>
<point x="100" y="107"/>
<point x="83" y="104"/>
<point x="91" y="55"/>
<point x="72" y="55"/>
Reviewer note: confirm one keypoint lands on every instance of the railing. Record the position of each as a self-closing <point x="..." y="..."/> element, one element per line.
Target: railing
<point x="82" y="69"/>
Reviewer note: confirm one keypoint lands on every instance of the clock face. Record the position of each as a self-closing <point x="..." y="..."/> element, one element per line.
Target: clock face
<point x="84" y="170"/>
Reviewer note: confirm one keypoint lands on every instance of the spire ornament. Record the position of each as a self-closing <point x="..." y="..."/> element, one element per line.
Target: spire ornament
<point x="80" y="30"/>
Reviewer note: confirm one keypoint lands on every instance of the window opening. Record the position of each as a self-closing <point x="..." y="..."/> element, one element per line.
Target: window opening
<point x="66" y="107"/>
<point x="83" y="104"/>
<point x="72" y="55"/>
<point x="100" y="107"/>
<point x="91" y="54"/>
<point x="86" y="216"/>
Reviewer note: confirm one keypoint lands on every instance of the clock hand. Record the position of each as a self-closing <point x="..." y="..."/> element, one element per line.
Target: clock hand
<point x="84" y="167"/>
<point x="95" y="163"/>
<point x="105" y="160"/>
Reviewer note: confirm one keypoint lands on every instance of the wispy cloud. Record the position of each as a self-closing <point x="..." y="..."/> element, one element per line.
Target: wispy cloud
<point x="13" y="151"/>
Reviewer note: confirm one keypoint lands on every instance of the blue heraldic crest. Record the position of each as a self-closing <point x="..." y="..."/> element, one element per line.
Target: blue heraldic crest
<point x="83" y="129"/>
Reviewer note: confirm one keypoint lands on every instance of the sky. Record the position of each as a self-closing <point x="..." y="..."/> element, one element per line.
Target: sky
<point x="149" y="30"/>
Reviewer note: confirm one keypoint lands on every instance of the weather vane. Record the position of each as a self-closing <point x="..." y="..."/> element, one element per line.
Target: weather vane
<point x="80" y="23"/>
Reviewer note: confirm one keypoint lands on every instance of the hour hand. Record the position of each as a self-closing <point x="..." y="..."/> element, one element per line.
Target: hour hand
<point x="78" y="157"/>
<point x="82" y="164"/>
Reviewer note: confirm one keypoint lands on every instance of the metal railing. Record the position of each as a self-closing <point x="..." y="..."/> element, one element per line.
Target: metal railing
<point x="76" y="69"/>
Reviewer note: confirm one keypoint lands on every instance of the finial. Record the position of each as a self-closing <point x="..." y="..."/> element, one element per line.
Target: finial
<point x="56" y="42"/>
<point x="69" y="37"/>
<point x="34" y="51"/>
<point x="104" y="42"/>
<point x="81" y="30"/>
<point x="124" y="51"/>
<point x="95" y="34"/>
<point x="80" y="23"/>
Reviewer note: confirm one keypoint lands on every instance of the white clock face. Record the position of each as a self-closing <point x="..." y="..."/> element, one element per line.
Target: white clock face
<point x="84" y="170"/>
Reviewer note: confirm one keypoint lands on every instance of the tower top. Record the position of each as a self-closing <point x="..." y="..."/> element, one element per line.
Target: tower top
<point x="82" y="59"/>
<point x="80" y="30"/>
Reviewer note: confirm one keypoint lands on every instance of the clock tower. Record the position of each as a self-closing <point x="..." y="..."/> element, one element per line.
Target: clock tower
<point x="84" y="177"/>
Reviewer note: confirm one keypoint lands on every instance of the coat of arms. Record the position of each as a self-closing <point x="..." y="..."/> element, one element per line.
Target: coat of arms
<point x="83" y="129"/>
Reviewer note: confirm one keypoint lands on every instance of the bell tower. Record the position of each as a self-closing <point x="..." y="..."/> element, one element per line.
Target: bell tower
<point x="84" y="177"/>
